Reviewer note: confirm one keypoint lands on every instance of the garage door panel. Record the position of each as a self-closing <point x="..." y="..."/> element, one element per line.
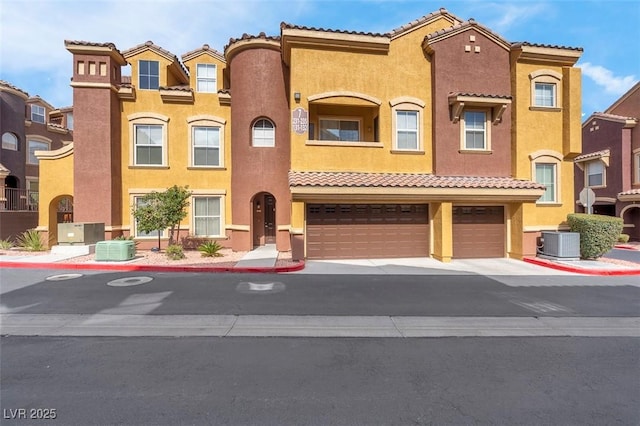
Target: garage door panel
<point x="478" y="232"/>
<point x="367" y="231"/>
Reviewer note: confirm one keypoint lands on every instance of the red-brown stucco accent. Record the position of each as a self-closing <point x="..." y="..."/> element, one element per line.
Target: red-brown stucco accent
<point x="257" y="78"/>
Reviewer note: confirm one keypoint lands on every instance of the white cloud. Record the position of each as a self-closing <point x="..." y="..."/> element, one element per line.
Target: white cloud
<point x="605" y="78"/>
<point x="510" y="14"/>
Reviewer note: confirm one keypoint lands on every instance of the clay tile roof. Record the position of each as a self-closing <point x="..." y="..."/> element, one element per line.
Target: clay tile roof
<point x="179" y="88"/>
<point x="12" y="87"/>
<point x="204" y="49"/>
<point x="56" y="125"/>
<point x="480" y="95"/>
<point x="225" y="91"/>
<point x="596" y="154"/>
<point x="612" y="116"/>
<point x="405" y="180"/>
<point x="635" y="191"/>
<point x="245" y="36"/>
<point x="417" y="22"/>
<point x="153" y="47"/>
<point x="285" y="25"/>
<point x="89" y="43"/>
<point x="550" y="46"/>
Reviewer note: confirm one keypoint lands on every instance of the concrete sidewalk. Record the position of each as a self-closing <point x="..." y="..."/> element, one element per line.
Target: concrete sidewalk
<point x="313" y="326"/>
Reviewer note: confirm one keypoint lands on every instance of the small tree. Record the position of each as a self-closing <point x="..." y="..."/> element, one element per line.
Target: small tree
<point x="162" y="210"/>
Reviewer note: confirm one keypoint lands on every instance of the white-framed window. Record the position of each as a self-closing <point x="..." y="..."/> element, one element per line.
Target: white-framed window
<point x="148" y="142"/>
<point x="149" y="75"/>
<point x="546" y="89"/>
<point x="407" y="130"/>
<point x="545" y="95"/>
<point x="148" y="139"/>
<point x="33" y="146"/>
<point x="475" y="130"/>
<point x="546" y="175"/>
<point x="264" y="133"/>
<point x="206" y="78"/>
<point x="33" y="190"/>
<point x="340" y="129"/>
<point x="70" y="121"/>
<point x="207" y="216"/>
<point x="9" y="141"/>
<point x="636" y="162"/>
<point x="206" y="146"/>
<point x="595" y="174"/>
<point x="37" y="114"/>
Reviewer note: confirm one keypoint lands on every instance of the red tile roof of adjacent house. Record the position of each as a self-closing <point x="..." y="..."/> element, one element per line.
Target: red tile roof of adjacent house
<point x="284" y="25"/>
<point x="419" y="21"/>
<point x="480" y="95"/>
<point x="612" y="116"/>
<point x="596" y="154"/>
<point x="245" y="36"/>
<point x="405" y="180"/>
<point x="635" y="191"/>
<point x="550" y="46"/>
<point x="179" y="88"/>
<point x="11" y="86"/>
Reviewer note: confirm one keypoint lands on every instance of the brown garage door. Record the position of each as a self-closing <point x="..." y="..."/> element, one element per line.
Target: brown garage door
<point x="478" y="231"/>
<point x="349" y="231"/>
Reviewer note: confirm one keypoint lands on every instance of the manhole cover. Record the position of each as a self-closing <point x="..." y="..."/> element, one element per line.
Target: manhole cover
<point x="63" y="277"/>
<point x="128" y="282"/>
<point x="260" y="287"/>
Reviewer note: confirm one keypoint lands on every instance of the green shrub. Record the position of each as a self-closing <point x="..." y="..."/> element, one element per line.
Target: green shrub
<point x="598" y="233"/>
<point x="174" y="252"/>
<point x="30" y="240"/>
<point x="210" y="249"/>
<point x="5" y="244"/>
<point x="623" y="238"/>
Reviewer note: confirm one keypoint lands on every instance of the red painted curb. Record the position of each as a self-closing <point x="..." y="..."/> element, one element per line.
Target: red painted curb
<point x="587" y="271"/>
<point x="151" y="268"/>
<point x="625" y="247"/>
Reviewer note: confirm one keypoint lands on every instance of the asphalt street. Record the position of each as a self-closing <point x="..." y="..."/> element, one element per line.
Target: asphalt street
<point x="85" y="292"/>
<point x="283" y="381"/>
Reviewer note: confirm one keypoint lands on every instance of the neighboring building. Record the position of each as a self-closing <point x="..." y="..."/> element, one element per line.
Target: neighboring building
<point x="439" y="138"/>
<point x="610" y="165"/>
<point x="27" y="124"/>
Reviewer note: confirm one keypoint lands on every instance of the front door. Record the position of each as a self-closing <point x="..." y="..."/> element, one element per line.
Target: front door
<point x="264" y="219"/>
<point x="270" y="219"/>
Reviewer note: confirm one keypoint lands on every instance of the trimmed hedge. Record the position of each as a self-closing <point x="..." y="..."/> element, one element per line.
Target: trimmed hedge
<point x="598" y="233"/>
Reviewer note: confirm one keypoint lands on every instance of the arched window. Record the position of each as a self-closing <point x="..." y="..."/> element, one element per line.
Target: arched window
<point x="9" y="141"/>
<point x="264" y="133"/>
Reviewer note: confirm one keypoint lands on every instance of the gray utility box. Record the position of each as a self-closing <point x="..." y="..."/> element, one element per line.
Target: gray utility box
<point x="80" y="233"/>
<point x="561" y="245"/>
<point x="115" y="250"/>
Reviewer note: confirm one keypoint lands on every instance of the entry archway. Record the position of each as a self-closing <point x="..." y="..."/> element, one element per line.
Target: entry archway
<point x="263" y="206"/>
<point x="60" y="211"/>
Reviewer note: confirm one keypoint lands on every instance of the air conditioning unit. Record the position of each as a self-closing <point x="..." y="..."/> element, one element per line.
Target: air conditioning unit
<point x="80" y="233"/>
<point x="561" y="245"/>
<point x="115" y="250"/>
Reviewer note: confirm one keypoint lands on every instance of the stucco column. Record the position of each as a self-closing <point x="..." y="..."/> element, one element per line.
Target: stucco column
<point x="297" y="230"/>
<point x="516" y="237"/>
<point x="442" y="226"/>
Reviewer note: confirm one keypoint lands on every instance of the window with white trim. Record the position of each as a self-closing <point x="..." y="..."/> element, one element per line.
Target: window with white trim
<point x="149" y="75"/>
<point x="546" y="89"/>
<point x="475" y="130"/>
<point x="37" y="114"/>
<point x="207" y="220"/>
<point x="206" y="78"/>
<point x="636" y="157"/>
<point x="148" y="144"/>
<point x="264" y="133"/>
<point x="33" y="146"/>
<point x="594" y="174"/>
<point x="9" y="141"/>
<point x="206" y="146"/>
<point x="546" y="175"/>
<point x="407" y="130"/>
<point x="339" y="129"/>
<point x="545" y="95"/>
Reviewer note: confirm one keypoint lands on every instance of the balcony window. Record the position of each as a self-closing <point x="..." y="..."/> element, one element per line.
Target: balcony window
<point x="339" y="129"/>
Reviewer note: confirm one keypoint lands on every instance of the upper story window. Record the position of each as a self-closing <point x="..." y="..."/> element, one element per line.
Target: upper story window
<point x="545" y="95"/>
<point x="9" y="141"/>
<point x="407" y="130"/>
<point x="70" y="121"/>
<point x="475" y="130"/>
<point x="264" y="133"/>
<point x="148" y="142"/>
<point x="206" y="78"/>
<point x="33" y="146"/>
<point x="636" y="159"/>
<point x="595" y="174"/>
<point x="546" y="175"/>
<point x="545" y="89"/>
<point x="339" y="129"/>
<point x="149" y="75"/>
<point x="206" y="146"/>
<point x="37" y="114"/>
<point x="148" y="136"/>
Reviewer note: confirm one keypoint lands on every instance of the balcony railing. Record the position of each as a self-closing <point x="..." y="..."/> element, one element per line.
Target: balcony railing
<point x="18" y="200"/>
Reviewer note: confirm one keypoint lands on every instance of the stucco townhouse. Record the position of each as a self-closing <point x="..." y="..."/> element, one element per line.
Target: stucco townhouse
<point x="439" y="138"/>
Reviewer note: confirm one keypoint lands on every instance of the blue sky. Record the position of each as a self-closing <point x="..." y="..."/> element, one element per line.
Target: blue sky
<point x="32" y="32"/>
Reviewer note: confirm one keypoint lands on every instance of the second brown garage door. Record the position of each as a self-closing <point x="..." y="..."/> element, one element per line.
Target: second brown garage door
<point x="350" y="231"/>
<point x="478" y="231"/>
